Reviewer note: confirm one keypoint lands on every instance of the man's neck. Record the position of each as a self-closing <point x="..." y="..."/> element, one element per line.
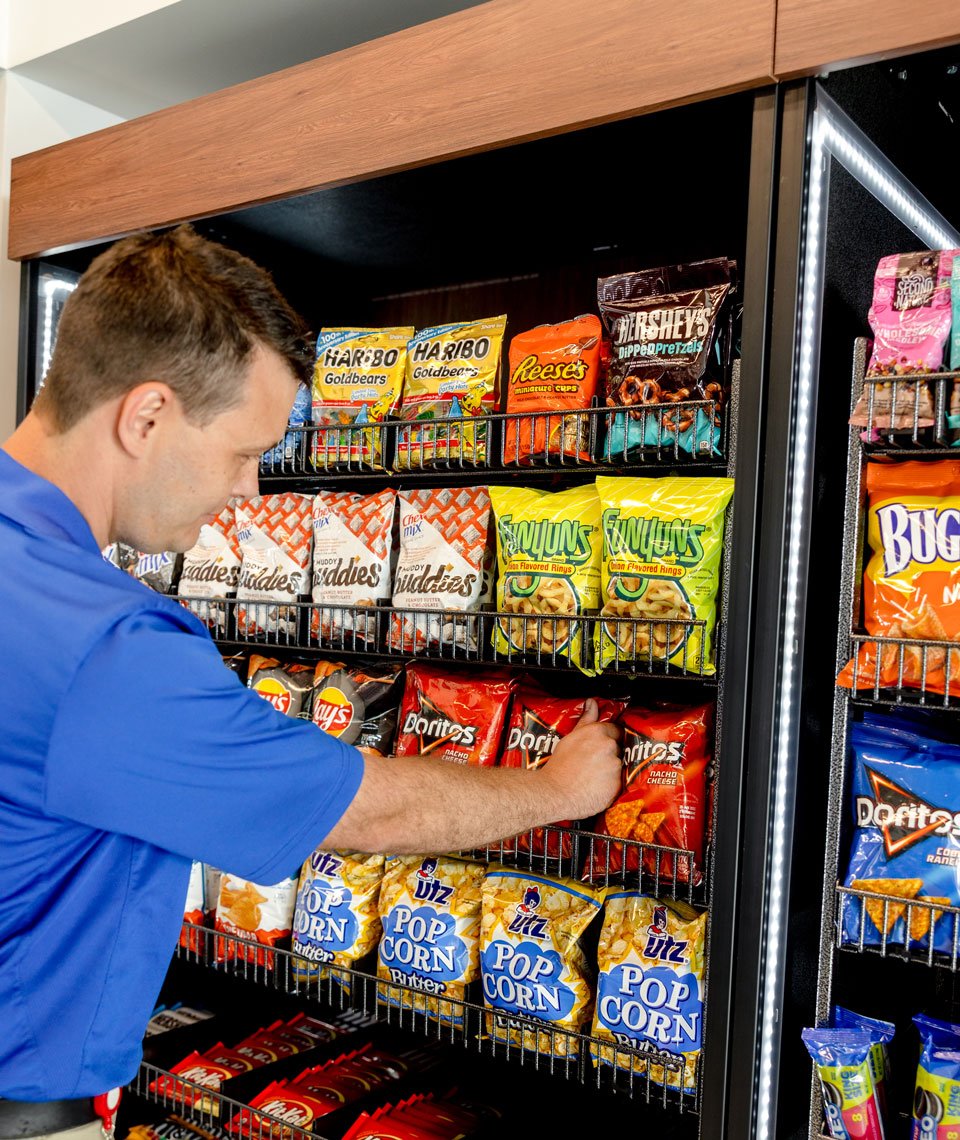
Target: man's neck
<point x="70" y="463"/>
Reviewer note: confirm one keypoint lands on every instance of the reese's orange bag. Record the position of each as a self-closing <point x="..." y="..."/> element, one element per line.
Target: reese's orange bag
<point x="911" y="586"/>
<point x="553" y="368"/>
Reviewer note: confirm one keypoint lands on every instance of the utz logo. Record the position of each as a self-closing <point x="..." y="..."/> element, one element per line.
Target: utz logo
<point x="526" y="921"/>
<point x="427" y="888"/>
<point x="325" y="864"/>
<point x="924" y="536"/>
<point x="661" y="945"/>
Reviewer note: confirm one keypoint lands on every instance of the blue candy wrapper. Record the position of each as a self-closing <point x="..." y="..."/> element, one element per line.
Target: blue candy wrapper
<point x="936" y="1099"/>
<point x="287" y="451"/>
<point x="851" y="1104"/>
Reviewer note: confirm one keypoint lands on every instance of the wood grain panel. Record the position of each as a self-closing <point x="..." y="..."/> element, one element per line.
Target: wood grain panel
<point x="813" y="35"/>
<point x="497" y="73"/>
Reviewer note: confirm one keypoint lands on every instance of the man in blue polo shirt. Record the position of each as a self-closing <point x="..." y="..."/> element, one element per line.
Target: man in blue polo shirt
<point x="127" y="749"/>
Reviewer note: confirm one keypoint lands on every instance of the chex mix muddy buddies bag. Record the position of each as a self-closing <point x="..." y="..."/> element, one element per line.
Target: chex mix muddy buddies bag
<point x="357" y="381"/>
<point x="352" y="548"/>
<point x="662" y="544"/>
<point x="336" y="920"/>
<point x="452" y="372"/>
<point x="430" y="911"/>
<point x="548" y="553"/>
<point x="532" y="964"/>
<point x="211" y="568"/>
<point x="445" y="563"/>
<point x="650" y="988"/>
<point x="911" y="586"/>
<point x="274" y="533"/>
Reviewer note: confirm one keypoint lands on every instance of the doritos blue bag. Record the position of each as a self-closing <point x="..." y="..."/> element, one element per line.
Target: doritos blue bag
<point x="906" y="809"/>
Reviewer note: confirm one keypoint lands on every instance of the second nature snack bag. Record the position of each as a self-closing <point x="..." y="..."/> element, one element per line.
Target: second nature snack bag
<point x="662" y="543"/>
<point x="357" y="381"/>
<point x="553" y="368"/>
<point x="662" y="323"/>
<point x="452" y="372"/>
<point x="664" y="799"/>
<point x="911" y="586"/>
<point x="548" y="554"/>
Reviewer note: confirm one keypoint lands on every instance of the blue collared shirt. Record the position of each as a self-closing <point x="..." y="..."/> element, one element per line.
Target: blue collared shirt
<point x="126" y="750"/>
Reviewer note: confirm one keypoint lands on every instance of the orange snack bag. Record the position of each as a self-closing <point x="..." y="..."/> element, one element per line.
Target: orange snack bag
<point x="553" y="368"/>
<point x="911" y="586"/>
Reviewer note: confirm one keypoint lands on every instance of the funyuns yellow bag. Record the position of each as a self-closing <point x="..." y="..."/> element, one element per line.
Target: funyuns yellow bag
<point x="548" y="559"/>
<point x="662" y="544"/>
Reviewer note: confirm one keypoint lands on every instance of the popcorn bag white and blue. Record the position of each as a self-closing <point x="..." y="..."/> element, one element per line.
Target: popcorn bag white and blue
<point x="430" y="912"/>
<point x="650" y="988"/>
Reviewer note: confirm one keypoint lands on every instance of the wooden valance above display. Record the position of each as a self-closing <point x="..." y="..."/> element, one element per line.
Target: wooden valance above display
<point x="494" y="74"/>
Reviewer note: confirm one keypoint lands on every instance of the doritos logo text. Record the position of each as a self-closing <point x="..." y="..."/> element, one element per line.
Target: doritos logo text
<point x="902" y="817"/>
<point x="435" y="729"/>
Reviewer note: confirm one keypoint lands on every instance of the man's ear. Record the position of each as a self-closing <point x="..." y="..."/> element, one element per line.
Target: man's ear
<point x="140" y="412"/>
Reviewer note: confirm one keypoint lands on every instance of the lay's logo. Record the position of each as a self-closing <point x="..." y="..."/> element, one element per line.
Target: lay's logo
<point x="924" y="536"/>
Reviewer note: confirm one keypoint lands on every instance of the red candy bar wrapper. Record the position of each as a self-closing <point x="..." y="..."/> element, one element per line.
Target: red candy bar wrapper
<point x="537" y="724"/>
<point x="664" y="800"/>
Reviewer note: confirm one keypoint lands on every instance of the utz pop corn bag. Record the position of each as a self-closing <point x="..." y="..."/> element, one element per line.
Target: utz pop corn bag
<point x="650" y="988"/>
<point x="532" y="965"/>
<point x="430" y="911"/>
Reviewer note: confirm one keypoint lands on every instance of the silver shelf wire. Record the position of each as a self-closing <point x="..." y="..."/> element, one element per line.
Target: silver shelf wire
<point x="930" y="921"/>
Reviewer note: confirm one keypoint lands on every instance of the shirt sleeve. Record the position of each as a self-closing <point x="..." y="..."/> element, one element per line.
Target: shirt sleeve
<point x="158" y="740"/>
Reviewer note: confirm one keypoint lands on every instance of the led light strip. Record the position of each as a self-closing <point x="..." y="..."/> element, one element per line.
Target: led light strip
<point x="832" y="135"/>
<point x="51" y="287"/>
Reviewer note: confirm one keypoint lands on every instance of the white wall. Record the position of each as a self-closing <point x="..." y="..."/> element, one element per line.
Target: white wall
<point x="31" y="116"/>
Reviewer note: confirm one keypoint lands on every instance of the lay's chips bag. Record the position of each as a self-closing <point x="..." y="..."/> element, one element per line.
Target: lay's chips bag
<point x="650" y="988"/>
<point x="532" y="964"/>
<point x="548" y="556"/>
<point x="336" y="920"/>
<point x="452" y="372"/>
<point x="430" y="911"/>
<point x="911" y="586"/>
<point x="662" y="544"/>
<point x="357" y="381"/>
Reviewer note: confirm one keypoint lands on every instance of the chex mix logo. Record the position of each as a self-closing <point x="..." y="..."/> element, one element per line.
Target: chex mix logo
<point x="433" y="728"/>
<point x="661" y="945"/>
<point x="526" y="921"/>
<point x="901" y="816"/>
<point x="426" y="886"/>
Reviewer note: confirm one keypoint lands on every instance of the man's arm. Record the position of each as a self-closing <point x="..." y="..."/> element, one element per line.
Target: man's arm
<point x="409" y="805"/>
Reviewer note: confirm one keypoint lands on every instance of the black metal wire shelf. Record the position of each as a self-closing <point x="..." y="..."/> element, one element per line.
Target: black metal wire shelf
<point x="900" y="672"/>
<point x="891" y="926"/>
<point x="514" y="1039"/>
<point x="909" y="416"/>
<point x="684" y="433"/>
<point x="632" y="646"/>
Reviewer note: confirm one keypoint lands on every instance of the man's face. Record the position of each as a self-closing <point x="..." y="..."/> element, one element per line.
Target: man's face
<point x="193" y="471"/>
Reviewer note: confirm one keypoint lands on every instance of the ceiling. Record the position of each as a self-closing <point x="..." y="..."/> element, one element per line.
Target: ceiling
<point x="194" y="47"/>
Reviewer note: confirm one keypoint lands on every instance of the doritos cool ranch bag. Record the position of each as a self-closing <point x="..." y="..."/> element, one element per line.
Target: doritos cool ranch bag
<point x="911" y="586"/>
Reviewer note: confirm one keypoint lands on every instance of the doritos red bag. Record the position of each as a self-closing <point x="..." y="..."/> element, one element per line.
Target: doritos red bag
<point x="457" y="716"/>
<point x="664" y="800"/>
<point x="537" y="724"/>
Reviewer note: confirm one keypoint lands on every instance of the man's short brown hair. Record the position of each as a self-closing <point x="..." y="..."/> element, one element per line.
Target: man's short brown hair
<point x="172" y="307"/>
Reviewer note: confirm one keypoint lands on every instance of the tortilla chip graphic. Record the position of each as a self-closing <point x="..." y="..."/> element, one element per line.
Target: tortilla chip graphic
<point x="922" y="917"/>
<point x="882" y="914"/>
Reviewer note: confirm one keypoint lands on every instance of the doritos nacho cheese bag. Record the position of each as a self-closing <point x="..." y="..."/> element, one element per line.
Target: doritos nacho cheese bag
<point x="531" y="959"/>
<point x="851" y="1105"/>
<point x="430" y="911"/>
<point x="336" y="920"/>
<point x="662" y="544"/>
<point x="357" y="381"/>
<point x="548" y="555"/>
<point x="911" y="586"/>
<point x="553" y="368"/>
<point x="650" y="988"/>
<point x="906" y="807"/>
<point x="452" y="372"/>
